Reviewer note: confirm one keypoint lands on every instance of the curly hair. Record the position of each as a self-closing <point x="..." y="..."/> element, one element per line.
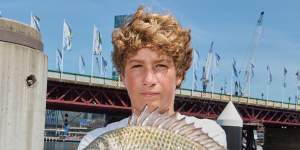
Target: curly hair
<point x="162" y="33"/>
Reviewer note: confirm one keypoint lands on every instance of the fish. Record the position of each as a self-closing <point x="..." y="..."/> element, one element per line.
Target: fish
<point x="153" y="130"/>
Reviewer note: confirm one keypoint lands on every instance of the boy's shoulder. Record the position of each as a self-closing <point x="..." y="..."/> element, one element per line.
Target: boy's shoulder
<point x="211" y="127"/>
<point x="92" y="135"/>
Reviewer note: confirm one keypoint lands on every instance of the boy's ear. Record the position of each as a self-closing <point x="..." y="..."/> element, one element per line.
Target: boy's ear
<point x="122" y="78"/>
<point x="178" y="80"/>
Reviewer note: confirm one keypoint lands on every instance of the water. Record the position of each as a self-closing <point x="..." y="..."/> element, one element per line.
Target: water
<point x="60" y="145"/>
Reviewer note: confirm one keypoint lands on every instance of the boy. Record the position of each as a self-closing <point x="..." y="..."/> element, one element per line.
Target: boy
<point x="152" y="54"/>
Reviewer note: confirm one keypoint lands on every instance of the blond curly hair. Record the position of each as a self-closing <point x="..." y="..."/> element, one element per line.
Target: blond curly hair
<point x="158" y="32"/>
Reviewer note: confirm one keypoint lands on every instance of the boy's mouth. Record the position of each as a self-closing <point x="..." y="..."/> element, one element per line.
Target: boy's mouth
<point x="149" y="94"/>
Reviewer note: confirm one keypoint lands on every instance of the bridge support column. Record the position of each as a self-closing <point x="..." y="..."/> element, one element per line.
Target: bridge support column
<point x="23" y="86"/>
<point x="282" y="138"/>
<point x="248" y="136"/>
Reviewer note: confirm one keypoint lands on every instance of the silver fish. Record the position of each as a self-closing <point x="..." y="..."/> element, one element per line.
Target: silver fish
<point x="155" y="131"/>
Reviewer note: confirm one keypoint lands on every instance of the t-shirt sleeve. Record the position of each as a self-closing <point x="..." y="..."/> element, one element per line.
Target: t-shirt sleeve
<point x="210" y="127"/>
<point x="89" y="137"/>
<point x="92" y="135"/>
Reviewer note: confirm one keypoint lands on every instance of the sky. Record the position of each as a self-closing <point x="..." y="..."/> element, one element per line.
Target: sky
<point x="230" y="24"/>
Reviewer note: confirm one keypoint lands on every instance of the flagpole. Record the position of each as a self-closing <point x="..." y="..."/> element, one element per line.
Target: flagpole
<point x="101" y="64"/>
<point x="213" y="85"/>
<point x="297" y="95"/>
<point x="282" y="97"/>
<point x="268" y="81"/>
<point x="284" y="85"/>
<point x="248" y="89"/>
<point x="224" y="87"/>
<point x="79" y="67"/>
<point x="211" y="68"/>
<point x="31" y="18"/>
<point x="298" y="86"/>
<point x="193" y="86"/>
<point x="268" y="87"/>
<point x="92" y="71"/>
<point x="62" y="61"/>
<point x="62" y="53"/>
<point x="104" y="73"/>
<point x="210" y="83"/>
<point x="231" y="85"/>
<point x="283" y="93"/>
<point x="93" y="49"/>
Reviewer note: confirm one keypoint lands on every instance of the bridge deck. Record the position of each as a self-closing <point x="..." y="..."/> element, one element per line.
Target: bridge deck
<point x="116" y="84"/>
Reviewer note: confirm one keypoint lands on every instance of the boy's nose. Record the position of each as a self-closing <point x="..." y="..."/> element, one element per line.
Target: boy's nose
<point x="150" y="78"/>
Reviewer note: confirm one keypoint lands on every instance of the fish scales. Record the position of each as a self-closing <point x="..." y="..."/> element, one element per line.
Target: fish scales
<point x="152" y="130"/>
<point x="143" y="138"/>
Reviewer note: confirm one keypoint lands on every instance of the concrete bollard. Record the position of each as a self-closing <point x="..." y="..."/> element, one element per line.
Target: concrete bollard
<point x="232" y="123"/>
<point x="23" y="86"/>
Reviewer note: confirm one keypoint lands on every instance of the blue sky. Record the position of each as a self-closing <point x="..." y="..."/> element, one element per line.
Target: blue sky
<point x="230" y="24"/>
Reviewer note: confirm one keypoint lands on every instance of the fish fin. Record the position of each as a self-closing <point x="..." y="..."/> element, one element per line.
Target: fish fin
<point x="166" y="121"/>
<point x="144" y="114"/>
<point x="150" y="119"/>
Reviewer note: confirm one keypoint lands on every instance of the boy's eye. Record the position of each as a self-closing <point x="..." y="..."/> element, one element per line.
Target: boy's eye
<point x="161" y="66"/>
<point x="136" y="66"/>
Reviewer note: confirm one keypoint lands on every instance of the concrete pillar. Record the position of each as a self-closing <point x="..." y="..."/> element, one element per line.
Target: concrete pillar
<point x="232" y="123"/>
<point x="23" y="85"/>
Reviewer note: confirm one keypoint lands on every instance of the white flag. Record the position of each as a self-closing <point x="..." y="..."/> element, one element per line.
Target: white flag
<point x="196" y="58"/>
<point x="209" y="63"/>
<point x="97" y="42"/>
<point x="58" y="59"/>
<point x="99" y="66"/>
<point x="67" y="36"/>
<point x="284" y="77"/>
<point x="270" y="75"/>
<point x="298" y="79"/>
<point x="217" y="59"/>
<point x="215" y="64"/>
<point x="104" y="64"/>
<point x="196" y="65"/>
<point x="35" y="22"/>
<point x="235" y="72"/>
<point x="81" y="65"/>
<point x="249" y="73"/>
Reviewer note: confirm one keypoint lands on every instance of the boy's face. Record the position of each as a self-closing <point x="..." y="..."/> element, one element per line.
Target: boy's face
<point x="150" y="79"/>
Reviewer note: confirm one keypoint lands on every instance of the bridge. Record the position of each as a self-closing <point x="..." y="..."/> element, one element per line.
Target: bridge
<point x="75" y="92"/>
